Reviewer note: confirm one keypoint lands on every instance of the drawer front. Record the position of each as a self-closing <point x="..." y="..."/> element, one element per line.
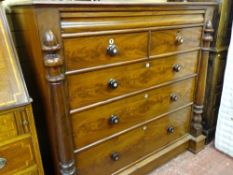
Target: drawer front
<point x="118" y="152"/>
<point x="97" y="123"/>
<point x="93" y="51"/>
<point x="175" y="40"/>
<point x="79" y="22"/>
<point x="8" y="126"/>
<point x="17" y="156"/>
<point x="92" y="87"/>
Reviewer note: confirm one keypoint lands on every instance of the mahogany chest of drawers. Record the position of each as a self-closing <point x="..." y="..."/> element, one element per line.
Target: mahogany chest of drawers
<point x="123" y="84"/>
<point x="19" y="150"/>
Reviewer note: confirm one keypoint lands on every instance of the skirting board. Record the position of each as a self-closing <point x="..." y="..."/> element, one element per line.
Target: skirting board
<point x="157" y="158"/>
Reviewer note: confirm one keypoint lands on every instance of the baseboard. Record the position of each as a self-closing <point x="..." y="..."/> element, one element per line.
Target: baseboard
<point x="157" y="158"/>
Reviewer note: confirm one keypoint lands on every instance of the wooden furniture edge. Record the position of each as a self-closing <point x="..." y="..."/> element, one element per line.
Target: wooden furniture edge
<point x="157" y="158"/>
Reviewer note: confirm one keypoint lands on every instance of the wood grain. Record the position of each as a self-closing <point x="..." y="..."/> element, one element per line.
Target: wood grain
<point x="92" y="87"/>
<point x="19" y="155"/>
<point x="165" y="41"/>
<point x="134" y="144"/>
<point x="87" y="83"/>
<point x="110" y="22"/>
<point x="130" y="111"/>
<point x="85" y="52"/>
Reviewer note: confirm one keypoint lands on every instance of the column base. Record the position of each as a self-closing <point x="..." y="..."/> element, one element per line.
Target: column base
<point x="196" y="144"/>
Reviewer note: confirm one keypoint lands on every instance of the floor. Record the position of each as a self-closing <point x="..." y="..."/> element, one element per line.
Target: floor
<point x="208" y="162"/>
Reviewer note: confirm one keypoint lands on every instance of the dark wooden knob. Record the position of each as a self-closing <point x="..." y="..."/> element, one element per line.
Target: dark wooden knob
<point x="113" y="120"/>
<point x="174" y="97"/>
<point x="113" y="84"/>
<point x="115" y="156"/>
<point x="176" y="67"/>
<point x="170" y="130"/>
<point x="112" y="50"/>
<point x="179" y="39"/>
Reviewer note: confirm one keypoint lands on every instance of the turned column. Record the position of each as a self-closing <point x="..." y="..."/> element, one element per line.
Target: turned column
<point x="196" y="125"/>
<point x="59" y="107"/>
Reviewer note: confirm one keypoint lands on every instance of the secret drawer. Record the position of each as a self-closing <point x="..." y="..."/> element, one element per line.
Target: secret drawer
<point x="83" y="52"/>
<point x="98" y="123"/>
<point x="166" y="41"/>
<point x="118" y="152"/>
<point x="91" y="87"/>
<point x="16" y="156"/>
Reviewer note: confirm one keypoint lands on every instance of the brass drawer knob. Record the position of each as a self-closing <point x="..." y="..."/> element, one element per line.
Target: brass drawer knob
<point x="113" y="120"/>
<point x="115" y="156"/>
<point x="176" y="67"/>
<point x="179" y="39"/>
<point x="113" y="84"/>
<point x="2" y="162"/>
<point x="170" y="130"/>
<point x="174" y="97"/>
<point x="112" y="49"/>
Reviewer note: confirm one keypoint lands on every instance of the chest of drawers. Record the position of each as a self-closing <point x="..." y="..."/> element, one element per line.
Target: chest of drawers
<point x="122" y="83"/>
<point x="19" y="150"/>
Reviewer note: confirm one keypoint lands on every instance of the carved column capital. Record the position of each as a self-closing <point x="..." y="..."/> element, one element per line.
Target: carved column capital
<point x="208" y="35"/>
<point x="52" y="59"/>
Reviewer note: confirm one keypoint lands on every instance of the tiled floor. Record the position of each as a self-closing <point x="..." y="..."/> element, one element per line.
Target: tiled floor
<point x="208" y="162"/>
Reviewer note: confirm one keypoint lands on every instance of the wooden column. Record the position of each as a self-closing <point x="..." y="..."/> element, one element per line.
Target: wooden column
<point x="53" y="62"/>
<point x="196" y="126"/>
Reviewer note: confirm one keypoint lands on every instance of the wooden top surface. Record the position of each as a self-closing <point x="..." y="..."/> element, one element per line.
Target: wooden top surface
<point x="13" y="91"/>
<point x="103" y="3"/>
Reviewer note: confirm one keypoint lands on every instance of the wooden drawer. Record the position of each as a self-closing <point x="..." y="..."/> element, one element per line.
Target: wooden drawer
<point x="134" y="144"/>
<point x="97" y="123"/>
<point x="91" y="87"/>
<point x="93" y="51"/>
<point x="166" y="41"/>
<point x="19" y="155"/>
<point x="8" y="126"/>
<point x="13" y="123"/>
<point x="88" y="22"/>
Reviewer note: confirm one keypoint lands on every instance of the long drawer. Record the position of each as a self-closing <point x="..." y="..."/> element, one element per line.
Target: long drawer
<point x="16" y="156"/>
<point x="79" y="22"/>
<point x="91" y="87"/>
<point x="97" y="123"/>
<point x="127" y="148"/>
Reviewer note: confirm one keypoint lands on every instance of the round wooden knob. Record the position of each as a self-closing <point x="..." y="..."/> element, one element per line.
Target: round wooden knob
<point x="179" y="39"/>
<point x="113" y="120"/>
<point x="170" y="130"/>
<point x="112" y="50"/>
<point x="115" y="156"/>
<point x="174" y="97"/>
<point x="113" y="84"/>
<point x="176" y="68"/>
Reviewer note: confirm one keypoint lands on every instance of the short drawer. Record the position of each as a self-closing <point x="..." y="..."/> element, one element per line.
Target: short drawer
<point x="176" y="40"/>
<point x="91" y="87"/>
<point x="92" y="51"/>
<point x="94" y="124"/>
<point x="16" y="156"/>
<point x="118" y="152"/>
<point x="8" y="126"/>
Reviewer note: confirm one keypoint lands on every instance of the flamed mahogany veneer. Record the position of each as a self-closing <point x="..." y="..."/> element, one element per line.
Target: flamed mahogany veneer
<point x="122" y="84"/>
